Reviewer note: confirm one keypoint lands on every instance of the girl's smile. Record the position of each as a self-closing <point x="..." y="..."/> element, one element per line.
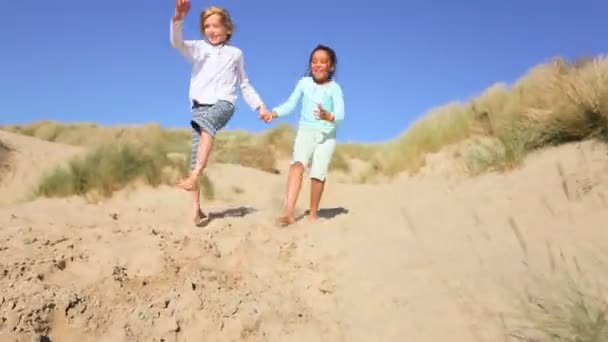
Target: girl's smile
<point x="321" y="66"/>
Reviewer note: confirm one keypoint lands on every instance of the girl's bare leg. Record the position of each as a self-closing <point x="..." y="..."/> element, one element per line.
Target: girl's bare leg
<point x="316" y="191"/>
<point x="320" y="163"/>
<point x="294" y="183"/>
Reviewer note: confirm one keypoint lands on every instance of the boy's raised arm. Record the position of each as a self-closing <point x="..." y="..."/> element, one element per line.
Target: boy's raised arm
<point x="186" y="48"/>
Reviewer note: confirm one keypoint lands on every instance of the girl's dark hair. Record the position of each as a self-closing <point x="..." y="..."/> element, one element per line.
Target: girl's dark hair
<point x="332" y="56"/>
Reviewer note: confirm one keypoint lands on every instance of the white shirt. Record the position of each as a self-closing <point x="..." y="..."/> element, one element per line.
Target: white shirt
<point x="216" y="70"/>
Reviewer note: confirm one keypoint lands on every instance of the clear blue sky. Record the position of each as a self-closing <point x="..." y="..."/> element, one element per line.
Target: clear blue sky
<point x="110" y="61"/>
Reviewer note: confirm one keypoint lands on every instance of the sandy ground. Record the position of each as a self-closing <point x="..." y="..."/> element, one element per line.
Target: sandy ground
<point x="437" y="257"/>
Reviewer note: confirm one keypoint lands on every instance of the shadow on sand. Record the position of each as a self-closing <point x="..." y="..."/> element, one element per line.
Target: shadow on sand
<point x="230" y="212"/>
<point x="326" y="213"/>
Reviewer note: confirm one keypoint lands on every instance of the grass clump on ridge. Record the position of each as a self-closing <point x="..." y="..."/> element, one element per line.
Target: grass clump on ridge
<point x="259" y="151"/>
<point x="236" y="147"/>
<point x="230" y="147"/>
<point x="110" y="168"/>
<point x="5" y="151"/>
<point x="106" y="169"/>
<point x="439" y="127"/>
<point x="148" y="154"/>
<point x="553" y="103"/>
<point x="243" y="148"/>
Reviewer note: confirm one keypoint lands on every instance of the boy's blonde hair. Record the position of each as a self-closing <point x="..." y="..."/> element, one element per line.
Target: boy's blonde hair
<point x="223" y="13"/>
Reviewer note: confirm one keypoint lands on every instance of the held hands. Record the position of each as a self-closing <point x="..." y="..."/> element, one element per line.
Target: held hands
<point x="322" y="114"/>
<point x="266" y="115"/>
<point x="181" y="9"/>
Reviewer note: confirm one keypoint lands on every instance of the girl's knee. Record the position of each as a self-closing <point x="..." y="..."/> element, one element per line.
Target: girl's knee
<point x="297" y="167"/>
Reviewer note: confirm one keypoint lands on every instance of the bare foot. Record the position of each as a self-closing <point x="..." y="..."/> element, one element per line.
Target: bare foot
<point x="313" y="217"/>
<point x="286" y="220"/>
<point x="189" y="184"/>
<point x="200" y="219"/>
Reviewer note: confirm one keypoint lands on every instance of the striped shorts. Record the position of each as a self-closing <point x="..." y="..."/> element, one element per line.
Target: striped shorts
<point x="211" y="119"/>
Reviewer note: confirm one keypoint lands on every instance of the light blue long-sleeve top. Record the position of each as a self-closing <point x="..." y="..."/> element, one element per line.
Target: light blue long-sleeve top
<point x="328" y="95"/>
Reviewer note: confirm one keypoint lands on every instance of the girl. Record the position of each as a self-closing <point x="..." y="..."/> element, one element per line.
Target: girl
<point x="217" y="69"/>
<point x="322" y="111"/>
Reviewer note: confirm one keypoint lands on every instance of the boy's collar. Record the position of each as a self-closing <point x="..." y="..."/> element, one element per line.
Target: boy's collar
<point x="220" y="45"/>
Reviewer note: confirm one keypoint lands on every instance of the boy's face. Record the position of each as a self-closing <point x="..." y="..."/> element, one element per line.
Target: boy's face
<point x="320" y="65"/>
<point x="214" y="29"/>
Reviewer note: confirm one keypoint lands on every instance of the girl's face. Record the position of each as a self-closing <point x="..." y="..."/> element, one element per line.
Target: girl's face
<point x="321" y="66"/>
<point x="215" y="30"/>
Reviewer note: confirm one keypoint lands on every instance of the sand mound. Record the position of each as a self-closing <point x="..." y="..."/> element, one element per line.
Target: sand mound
<point x="132" y="268"/>
<point x="30" y="158"/>
<point x="425" y="258"/>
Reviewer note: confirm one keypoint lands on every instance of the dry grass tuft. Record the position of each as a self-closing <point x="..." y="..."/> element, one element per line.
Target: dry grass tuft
<point x="564" y="309"/>
<point x="4" y="151"/>
<point x="207" y="187"/>
<point x="244" y="149"/>
<point x="443" y="126"/>
<point x="553" y="103"/>
<point x="4" y="157"/>
<point x="110" y="168"/>
<point x="93" y="135"/>
<point x="279" y="140"/>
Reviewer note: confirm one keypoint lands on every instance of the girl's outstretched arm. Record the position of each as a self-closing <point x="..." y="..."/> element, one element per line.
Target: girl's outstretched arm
<point x="249" y="94"/>
<point x="338" y="99"/>
<point x="291" y="103"/>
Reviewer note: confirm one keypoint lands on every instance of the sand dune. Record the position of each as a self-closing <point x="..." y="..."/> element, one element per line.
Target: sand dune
<point x="30" y="159"/>
<point x="435" y="257"/>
